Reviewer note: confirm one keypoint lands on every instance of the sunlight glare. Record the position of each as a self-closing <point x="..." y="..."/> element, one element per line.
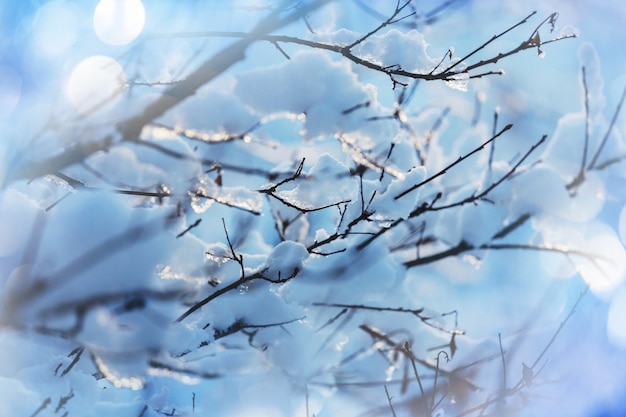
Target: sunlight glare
<point x="607" y="271"/>
<point x="119" y="22"/>
<point x="94" y="83"/>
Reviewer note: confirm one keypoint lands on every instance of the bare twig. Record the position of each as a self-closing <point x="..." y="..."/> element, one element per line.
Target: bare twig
<point x="504" y="379"/>
<point x="415" y="312"/>
<point x="594" y="160"/>
<point x="218" y="64"/>
<point x="411" y="356"/>
<point x="532" y="42"/>
<point x="130" y="128"/>
<point x="528" y="371"/>
<point x="463" y="247"/>
<point x="493" y="145"/>
<point x="476" y="197"/>
<point x="42" y="407"/>
<point x="205" y="162"/>
<point x="456" y="162"/>
<point x="241" y="325"/>
<point x="63" y="400"/>
<point x="555" y="335"/>
<point x="449" y="74"/>
<point x="393" y="412"/>
<point x="191" y="226"/>
<point x="390" y="20"/>
<point x="493" y="38"/>
<point x="243" y="280"/>
<point x="580" y="177"/>
<point x="77" y="353"/>
<point x="432" y="403"/>
<point x="505" y="231"/>
<point x="160" y="365"/>
<point x="216" y="138"/>
<point x="227" y="203"/>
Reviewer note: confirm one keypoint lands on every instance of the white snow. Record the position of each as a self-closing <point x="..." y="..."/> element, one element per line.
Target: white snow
<point x="322" y="95"/>
<point x="404" y="49"/>
<point x="157" y="276"/>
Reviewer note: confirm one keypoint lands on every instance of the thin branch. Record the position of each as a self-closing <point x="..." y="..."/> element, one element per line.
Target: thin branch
<point x="463" y="247"/>
<point x="529" y="369"/>
<point x="393" y="70"/>
<point x="130" y="128"/>
<point x="458" y="161"/>
<point x="486" y="74"/>
<point x="511" y="226"/>
<point x="300" y="208"/>
<point x="476" y="197"/>
<point x="216" y="65"/>
<point x="77" y="353"/>
<point x="81" y="307"/>
<point x="594" y="160"/>
<point x="364" y="159"/>
<point x="240" y="325"/>
<point x="274" y="187"/>
<point x="233" y="285"/>
<point x="63" y="400"/>
<point x="560" y="328"/>
<point x="493" y="145"/>
<point x="226" y="203"/>
<point x="432" y="403"/>
<point x="610" y="162"/>
<point x="306" y="393"/>
<point x="409" y="353"/>
<point x="205" y="162"/>
<point x="390" y="20"/>
<point x="191" y="226"/>
<point x="199" y="136"/>
<point x="393" y="412"/>
<point x="243" y="279"/>
<point x="448" y="54"/>
<point x="493" y="38"/>
<point x="378" y="335"/>
<point x="580" y="178"/>
<point x="503" y="363"/>
<point x="416" y="312"/>
<point x="42" y="407"/>
<point x="157" y="364"/>
<point x="532" y="42"/>
<point x="272" y="191"/>
<point x="86" y="261"/>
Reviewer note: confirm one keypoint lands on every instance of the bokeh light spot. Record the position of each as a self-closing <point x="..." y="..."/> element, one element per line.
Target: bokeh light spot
<point x="616" y="328"/>
<point x="622" y="225"/>
<point x="10" y="90"/>
<point x="95" y="83"/>
<point x="606" y="271"/>
<point x="118" y="22"/>
<point x="55" y="28"/>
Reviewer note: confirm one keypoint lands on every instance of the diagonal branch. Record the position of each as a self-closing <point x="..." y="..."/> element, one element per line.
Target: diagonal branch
<point x="130" y="128"/>
<point x="463" y="247"/>
<point x="594" y="160"/>
<point x="458" y="161"/>
<point x="580" y="177"/>
<point x="493" y="38"/>
<point x="476" y="197"/>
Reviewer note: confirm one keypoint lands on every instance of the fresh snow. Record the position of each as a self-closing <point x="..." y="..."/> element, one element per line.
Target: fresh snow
<point x="253" y="251"/>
